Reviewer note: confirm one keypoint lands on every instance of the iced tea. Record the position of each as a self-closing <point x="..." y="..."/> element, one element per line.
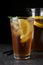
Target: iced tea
<point x="21" y="32"/>
<point x="38" y="33"/>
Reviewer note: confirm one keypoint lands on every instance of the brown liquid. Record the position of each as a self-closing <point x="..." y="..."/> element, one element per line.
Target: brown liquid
<point x="38" y="37"/>
<point x="21" y="49"/>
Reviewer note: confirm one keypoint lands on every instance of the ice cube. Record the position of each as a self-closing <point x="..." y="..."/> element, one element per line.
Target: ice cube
<point x="15" y="19"/>
<point x="15" y="22"/>
<point x="16" y="26"/>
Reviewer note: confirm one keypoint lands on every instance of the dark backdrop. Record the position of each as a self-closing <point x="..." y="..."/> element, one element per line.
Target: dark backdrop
<point x="12" y="8"/>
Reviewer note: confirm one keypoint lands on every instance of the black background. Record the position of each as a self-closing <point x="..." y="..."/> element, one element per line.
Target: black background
<point x="12" y="8"/>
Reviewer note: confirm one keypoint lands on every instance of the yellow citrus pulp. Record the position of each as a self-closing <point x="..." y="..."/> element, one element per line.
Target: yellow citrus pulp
<point x="25" y="28"/>
<point x="38" y="24"/>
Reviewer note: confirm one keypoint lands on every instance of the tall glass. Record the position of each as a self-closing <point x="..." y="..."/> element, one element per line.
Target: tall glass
<point x="22" y="35"/>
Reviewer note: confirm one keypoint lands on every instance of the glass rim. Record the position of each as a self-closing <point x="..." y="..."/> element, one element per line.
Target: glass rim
<point x="22" y="17"/>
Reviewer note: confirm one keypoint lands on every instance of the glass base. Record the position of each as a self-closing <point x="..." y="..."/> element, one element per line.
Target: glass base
<point x="22" y="57"/>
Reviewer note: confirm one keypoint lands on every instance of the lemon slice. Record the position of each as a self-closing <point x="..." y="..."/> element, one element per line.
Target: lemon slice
<point x="25" y="28"/>
<point x="38" y="24"/>
<point x="36" y="17"/>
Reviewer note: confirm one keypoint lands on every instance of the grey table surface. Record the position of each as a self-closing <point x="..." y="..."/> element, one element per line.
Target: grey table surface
<point x="36" y="57"/>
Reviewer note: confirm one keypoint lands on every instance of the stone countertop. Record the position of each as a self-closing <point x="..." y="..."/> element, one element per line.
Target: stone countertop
<point x="36" y="57"/>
